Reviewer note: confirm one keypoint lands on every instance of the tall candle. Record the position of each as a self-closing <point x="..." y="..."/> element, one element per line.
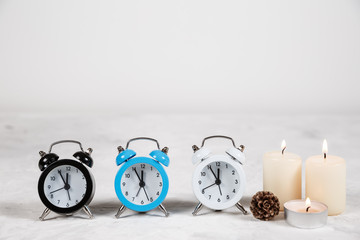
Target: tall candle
<point x="325" y="180"/>
<point x="282" y="175"/>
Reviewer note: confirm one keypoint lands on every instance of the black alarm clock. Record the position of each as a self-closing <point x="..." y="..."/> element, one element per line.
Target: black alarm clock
<point x="66" y="185"/>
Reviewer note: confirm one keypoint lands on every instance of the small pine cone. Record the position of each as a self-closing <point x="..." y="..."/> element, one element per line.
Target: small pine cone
<point x="264" y="205"/>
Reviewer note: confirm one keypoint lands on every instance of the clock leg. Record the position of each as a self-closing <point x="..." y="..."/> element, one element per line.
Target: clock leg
<point x="163" y="209"/>
<point x="44" y="214"/>
<point x="197" y="209"/>
<point x="241" y="208"/>
<point x="87" y="211"/>
<point x="120" y="211"/>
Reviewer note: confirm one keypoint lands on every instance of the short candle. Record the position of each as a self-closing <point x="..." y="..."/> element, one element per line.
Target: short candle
<point x="305" y="214"/>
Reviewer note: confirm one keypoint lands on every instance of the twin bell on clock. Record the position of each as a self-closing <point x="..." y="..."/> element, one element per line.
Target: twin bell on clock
<point x="141" y="184"/>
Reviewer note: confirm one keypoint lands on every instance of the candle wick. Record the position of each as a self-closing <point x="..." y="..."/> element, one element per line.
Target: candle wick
<point x="325" y="156"/>
<point x="307" y="209"/>
<point x="282" y="151"/>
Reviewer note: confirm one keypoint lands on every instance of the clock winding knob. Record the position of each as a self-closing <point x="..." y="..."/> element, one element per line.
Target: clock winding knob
<point x="165" y="150"/>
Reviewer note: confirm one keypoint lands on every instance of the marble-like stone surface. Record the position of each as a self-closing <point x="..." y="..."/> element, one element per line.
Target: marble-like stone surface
<point x="23" y="135"/>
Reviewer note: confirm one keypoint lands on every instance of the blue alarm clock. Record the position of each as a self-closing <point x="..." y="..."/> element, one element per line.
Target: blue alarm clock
<point x="141" y="184"/>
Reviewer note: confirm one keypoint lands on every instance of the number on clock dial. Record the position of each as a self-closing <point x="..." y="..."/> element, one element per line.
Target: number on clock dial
<point x="218" y="182"/>
<point x="141" y="184"/>
<point x="65" y="196"/>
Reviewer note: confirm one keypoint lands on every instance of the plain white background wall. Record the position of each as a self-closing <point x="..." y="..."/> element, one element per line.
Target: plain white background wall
<point x="180" y="56"/>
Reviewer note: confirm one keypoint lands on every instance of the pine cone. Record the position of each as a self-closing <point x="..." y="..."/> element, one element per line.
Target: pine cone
<point x="264" y="205"/>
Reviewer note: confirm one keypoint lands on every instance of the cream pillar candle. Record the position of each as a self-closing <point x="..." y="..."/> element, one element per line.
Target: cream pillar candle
<point x="282" y="175"/>
<point x="325" y="180"/>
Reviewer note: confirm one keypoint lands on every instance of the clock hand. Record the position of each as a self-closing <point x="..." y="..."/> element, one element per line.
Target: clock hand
<point x="137" y="175"/>
<point x="146" y="194"/>
<point x="142" y="184"/>
<point x="67" y="186"/>
<point x="220" y="190"/>
<point x="67" y="179"/>
<point x="213" y="173"/>
<point x="137" y="194"/>
<point x="59" y="171"/>
<point x="208" y="186"/>
<point x="218" y="181"/>
<point x="57" y="190"/>
<point x="68" y="194"/>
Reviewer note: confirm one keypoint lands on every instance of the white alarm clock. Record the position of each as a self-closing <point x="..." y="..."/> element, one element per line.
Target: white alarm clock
<point x="219" y="180"/>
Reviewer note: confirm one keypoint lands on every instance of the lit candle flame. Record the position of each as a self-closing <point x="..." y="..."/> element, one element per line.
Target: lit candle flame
<point x="307" y="204"/>
<point x="325" y="148"/>
<point x="283" y="146"/>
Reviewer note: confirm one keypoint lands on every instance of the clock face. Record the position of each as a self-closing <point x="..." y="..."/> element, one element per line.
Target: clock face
<point x="219" y="183"/>
<point x="66" y="186"/>
<point x="141" y="184"/>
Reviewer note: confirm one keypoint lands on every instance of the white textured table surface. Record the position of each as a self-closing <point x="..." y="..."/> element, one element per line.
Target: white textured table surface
<point x="23" y="135"/>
